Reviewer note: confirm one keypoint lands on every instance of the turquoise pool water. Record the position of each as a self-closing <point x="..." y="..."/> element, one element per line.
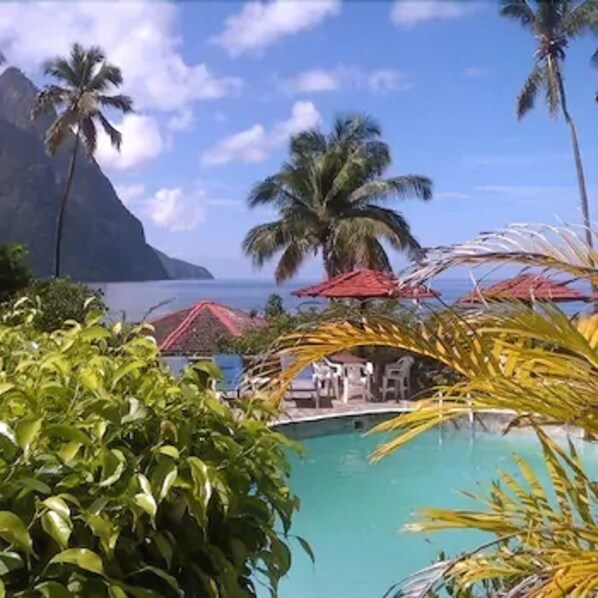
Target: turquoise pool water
<point x="352" y="512"/>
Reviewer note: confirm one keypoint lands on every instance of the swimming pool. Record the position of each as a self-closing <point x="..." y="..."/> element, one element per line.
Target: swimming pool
<point x="352" y="512"/>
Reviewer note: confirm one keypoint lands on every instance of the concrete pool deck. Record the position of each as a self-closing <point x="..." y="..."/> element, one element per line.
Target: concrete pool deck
<point x="337" y="417"/>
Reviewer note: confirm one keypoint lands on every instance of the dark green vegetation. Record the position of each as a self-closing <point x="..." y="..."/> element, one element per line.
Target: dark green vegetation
<point x="554" y="24"/>
<point x="78" y="92"/>
<point x="14" y="273"/>
<point x="59" y="300"/>
<point x="117" y="479"/>
<point x="331" y="197"/>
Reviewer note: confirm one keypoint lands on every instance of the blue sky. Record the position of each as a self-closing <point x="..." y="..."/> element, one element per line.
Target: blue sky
<point x="221" y="86"/>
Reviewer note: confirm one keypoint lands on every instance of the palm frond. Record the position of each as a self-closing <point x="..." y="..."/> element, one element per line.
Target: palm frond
<point x="529" y="91"/>
<point x="372" y="221"/>
<point x="354" y="129"/>
<point x="582" y="18"/>
<point x="518" y="10"/>
<point x="59" y="131"/>
<point x="61" y="69"/>
<point x="89" y="135"/>
<point x="120" y="102"/>
<point x="276" y="191"/>
<point x="49" y="98"/>
<point x="411" y="185"/>
<point x="264" y="240"/>
<point x="307" y="143"/>
<point x="113" y="134"/>
<point x="291" y="259"/>
<point x="541" y="246"/>
<point x="108" y="75"/>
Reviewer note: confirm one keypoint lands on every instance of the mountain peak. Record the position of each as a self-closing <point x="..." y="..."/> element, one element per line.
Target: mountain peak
<point x="17" y="93"/>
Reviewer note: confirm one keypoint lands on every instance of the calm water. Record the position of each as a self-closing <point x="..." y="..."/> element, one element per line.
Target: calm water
<point x="136" y="299"/>
<point x="352" y="512"/>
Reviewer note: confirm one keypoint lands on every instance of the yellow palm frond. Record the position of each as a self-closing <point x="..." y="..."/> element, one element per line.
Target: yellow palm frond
<point x="538" y="246"/>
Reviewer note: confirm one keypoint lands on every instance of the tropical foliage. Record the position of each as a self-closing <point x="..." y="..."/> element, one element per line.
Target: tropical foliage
<point x="554" y="24"/>
<point x="59" y="300"/>
<point x="116" y="479"/>
<point x="79" y="96"/>
<point x="14" y="271"/>
<point x="533" y="361"/>
<point x="332" y="200"/>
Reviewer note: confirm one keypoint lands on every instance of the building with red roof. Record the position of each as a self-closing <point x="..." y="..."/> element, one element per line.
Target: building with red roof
<point x="199" y="328"/>
<point x="526" y="287"/>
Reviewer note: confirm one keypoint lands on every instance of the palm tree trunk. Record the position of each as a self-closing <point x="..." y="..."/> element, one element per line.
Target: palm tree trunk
<point x="581" y="181"/>
<point x="62" y="208"/>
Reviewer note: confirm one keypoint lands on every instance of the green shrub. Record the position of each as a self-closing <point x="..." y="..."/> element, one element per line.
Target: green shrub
<point x="60" y="300"/>
<point x="116" y="479"/>
<point x="14" y="272"/>
<point x="274" y="307"/>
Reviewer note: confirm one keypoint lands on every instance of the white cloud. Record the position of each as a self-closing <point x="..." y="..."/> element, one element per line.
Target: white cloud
<point x="174" y="210"/>
<point x="321" y="80"/>
<point x="256" y="143"/>
<point x="313" y="81"/>
<point x="260" y="24"/>
<point x="181" y="121"/>
<point x="140" y="37"/>
<point x="141" y="142"/>
<point x="408" y="13"/>
<point x="384" y="80"/>
<point x="128" y="193"/>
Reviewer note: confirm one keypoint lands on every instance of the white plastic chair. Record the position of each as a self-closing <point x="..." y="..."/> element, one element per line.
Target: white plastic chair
<point x="357" y="379"/>
<point x="397" y="377"/>
<point x="329" y="376"/>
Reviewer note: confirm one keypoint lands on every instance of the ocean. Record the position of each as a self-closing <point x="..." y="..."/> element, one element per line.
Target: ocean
<point x="139" y="300"/>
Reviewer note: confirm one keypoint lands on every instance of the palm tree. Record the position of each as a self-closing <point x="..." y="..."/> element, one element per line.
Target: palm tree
<point x="554" y="23"/>
<point x="329" y="197"/>
<point x="83" y="78"/>
<point x="534" y="362"/>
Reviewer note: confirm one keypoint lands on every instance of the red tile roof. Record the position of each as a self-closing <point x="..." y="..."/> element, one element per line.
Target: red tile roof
<point x="199" y="328"/>
<point x="364" y="284"/>
<point x="526" y="287"/>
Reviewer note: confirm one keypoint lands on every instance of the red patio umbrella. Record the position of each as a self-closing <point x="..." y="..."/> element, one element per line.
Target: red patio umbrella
<point x="526" y="287"/>
<point x="367" y="284"/>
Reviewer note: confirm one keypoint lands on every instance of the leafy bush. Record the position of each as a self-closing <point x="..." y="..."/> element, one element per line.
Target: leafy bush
<point x="274" y="306"/>
<point x="116" y="479"/>
<point x="14" y="272"/>
<point x="60" y="300"/>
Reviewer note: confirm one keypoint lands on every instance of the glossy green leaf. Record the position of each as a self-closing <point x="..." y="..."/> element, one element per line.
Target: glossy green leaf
<point x="7" y="432"/>
<point x="27" y="430"/>
<point x="57" y="528"/>
<point x="201" y="480"/>
<point x="69" y="451"/>
<point x="56" y="503"/>
<point x="147" y="503"/>
<point x="5" y="387"/>
<point x="137" y="411"/>
<point x="113" y="465"/>
<point x="68" y="432"/>
<point x="306" y="548"/>
<point x="163" y="477"/>
<point x="94" y="333"/>
<point x="14" y="531"/>
<point x="125" y="369"/>
<point x="10" y="561"/>
<point x="82" y="558"/>
<point x="53" y="589"/>
<point x="169" y="451"/>
<point x="34" y="484"/>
